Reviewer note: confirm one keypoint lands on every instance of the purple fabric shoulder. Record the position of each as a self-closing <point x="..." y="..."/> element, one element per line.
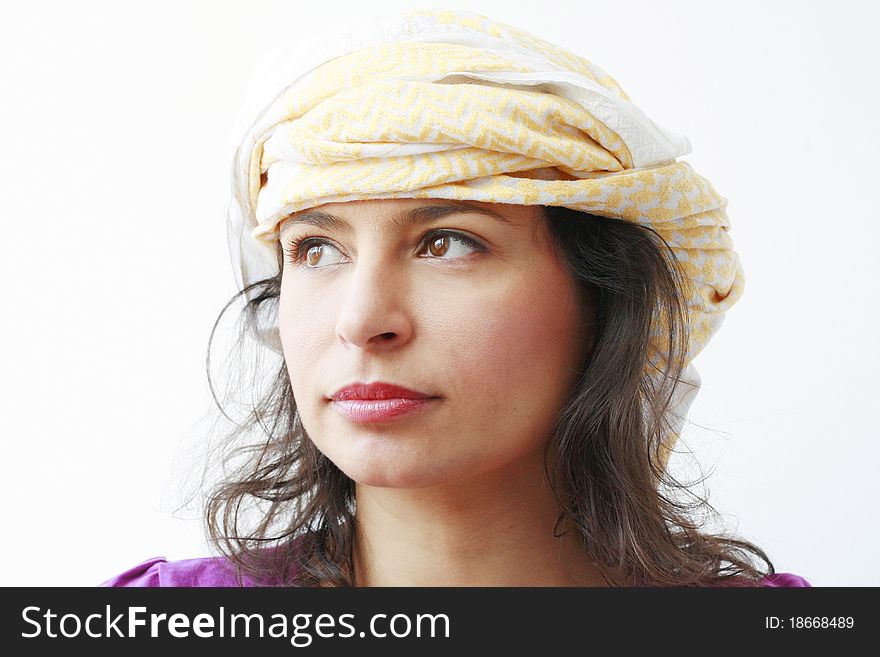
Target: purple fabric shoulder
<point x="218" y="572"/>
<point x="158" y="571"/>
<point x="785" y="580"/>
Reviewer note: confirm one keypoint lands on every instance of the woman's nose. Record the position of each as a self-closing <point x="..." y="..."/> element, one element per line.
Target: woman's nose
<point x="373" y="314"/>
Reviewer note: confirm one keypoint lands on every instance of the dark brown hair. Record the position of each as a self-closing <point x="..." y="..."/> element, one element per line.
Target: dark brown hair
<point x="283" y="513"/>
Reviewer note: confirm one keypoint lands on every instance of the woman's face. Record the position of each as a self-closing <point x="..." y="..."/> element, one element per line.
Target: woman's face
<point x="463" y="302"/>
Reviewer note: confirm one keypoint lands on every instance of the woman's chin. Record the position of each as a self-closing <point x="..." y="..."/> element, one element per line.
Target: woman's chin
<point x="403" y="459"/>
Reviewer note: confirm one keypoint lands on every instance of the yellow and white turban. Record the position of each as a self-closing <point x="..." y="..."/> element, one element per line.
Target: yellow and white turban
<point x="452" y="105"/>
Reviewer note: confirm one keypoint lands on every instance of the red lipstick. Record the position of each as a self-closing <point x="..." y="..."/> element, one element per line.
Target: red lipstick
<point x="378" y="402"/>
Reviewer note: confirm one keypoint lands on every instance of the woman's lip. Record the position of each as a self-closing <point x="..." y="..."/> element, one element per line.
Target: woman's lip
<point x="376" y="391"/>
<point x="379" y="410"/>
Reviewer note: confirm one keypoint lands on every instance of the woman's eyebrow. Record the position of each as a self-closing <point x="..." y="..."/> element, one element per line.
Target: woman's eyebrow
<point x="423" y="214"/>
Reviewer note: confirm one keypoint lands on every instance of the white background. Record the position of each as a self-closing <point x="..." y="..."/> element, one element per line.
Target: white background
<point x="115" y="128"/>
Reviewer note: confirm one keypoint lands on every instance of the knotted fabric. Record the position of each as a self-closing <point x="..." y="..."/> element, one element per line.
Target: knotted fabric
<point x="452" y="105"/>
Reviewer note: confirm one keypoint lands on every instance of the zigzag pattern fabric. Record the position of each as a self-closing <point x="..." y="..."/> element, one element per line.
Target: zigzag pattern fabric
<point x="452" y="105"/>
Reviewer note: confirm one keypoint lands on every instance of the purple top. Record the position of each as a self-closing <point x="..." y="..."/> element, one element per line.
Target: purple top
<point x="158" y="571"/>
<point x="216" y="571"/>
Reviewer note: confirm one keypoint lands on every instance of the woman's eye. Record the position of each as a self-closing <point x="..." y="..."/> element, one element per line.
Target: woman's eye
<point x="314" y="252"/>
<point x="450" y="245"/>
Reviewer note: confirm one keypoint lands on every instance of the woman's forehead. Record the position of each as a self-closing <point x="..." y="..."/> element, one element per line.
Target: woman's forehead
<point x="397" y="205"/>
<point x="404" y="213"/>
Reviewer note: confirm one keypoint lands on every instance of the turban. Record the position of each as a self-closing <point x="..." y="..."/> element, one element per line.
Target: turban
<point x="452" y="105"/>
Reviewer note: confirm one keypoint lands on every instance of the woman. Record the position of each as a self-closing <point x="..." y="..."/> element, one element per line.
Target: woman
<point x="486" y="276"/>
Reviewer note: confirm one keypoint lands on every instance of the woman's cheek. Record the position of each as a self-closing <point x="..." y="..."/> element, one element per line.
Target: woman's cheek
<point x="306" y="333"/>
<point x="491" y="340"/>
<point x="524" y="342"/>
